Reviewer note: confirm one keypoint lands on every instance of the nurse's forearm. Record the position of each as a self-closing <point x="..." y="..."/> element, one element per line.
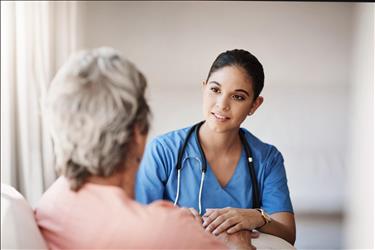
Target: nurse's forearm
<point x="282" y="225"/>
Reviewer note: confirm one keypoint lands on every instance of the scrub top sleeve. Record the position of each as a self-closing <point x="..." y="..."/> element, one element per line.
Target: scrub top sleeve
<point x="275" y="195"/>
<point x="151" y="175"/>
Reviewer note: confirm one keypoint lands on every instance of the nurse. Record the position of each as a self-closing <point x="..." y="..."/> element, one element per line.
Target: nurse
<point x="235" y="181"/>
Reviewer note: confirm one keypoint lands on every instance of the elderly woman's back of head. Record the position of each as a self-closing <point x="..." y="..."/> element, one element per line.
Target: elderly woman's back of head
<point x="92" y="107"/>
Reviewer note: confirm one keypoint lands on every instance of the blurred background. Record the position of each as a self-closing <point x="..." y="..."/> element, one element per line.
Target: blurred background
<point x="319" y="90"/>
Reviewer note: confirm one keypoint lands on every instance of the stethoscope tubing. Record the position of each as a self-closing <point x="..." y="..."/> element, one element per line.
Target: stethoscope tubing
<point x="195" y="129"/>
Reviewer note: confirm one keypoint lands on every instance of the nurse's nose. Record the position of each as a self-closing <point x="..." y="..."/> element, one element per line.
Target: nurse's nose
<point x="222" y="103"/>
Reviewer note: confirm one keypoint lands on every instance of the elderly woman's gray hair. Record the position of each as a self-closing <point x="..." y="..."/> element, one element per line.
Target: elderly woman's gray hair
<point x="92" y="107"/>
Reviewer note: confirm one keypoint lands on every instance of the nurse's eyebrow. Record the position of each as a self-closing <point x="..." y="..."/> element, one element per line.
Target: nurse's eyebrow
<point x="237" y="90"/>
<point x="215" y="82"/>
<point x="243" y="91"/>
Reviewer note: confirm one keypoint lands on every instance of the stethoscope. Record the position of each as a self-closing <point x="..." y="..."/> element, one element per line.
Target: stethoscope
<point x="195" y="129"/>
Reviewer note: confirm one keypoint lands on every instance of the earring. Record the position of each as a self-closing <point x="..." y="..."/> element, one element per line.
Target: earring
<point x="250" y="113"/>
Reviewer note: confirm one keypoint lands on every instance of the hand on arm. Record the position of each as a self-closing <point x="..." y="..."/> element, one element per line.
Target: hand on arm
<point x="237" y="240"/>
<point x="233" y="220"/>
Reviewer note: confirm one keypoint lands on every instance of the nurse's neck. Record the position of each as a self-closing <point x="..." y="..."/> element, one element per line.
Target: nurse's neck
<point x="217" y="141"/>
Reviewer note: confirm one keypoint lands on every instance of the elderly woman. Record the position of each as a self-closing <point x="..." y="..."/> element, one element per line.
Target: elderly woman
<point x="98" y="119"/>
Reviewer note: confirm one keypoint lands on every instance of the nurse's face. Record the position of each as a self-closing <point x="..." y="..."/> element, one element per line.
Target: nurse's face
<point x="228" y="99"/>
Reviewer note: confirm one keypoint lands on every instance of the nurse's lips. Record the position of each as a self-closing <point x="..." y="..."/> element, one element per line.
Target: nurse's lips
<point x="220" y="117"/>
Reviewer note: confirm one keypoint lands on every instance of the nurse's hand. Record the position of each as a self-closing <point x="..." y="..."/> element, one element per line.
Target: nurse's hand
<point x="231" y="220"/>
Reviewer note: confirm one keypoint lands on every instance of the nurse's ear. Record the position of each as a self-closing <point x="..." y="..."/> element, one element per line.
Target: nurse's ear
<point x="204" y="84"/>
<point x="255" y="105"/>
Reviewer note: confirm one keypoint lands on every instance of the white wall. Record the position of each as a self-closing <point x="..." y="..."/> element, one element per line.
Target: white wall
<point x="359" y="227"/>
<point x="306" y="50"/>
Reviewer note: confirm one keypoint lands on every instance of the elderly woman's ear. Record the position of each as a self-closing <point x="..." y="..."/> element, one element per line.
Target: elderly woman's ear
<point x="139" y="139"/>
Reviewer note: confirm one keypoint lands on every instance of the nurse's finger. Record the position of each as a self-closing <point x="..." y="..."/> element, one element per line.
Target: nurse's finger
<point x="211" y="217"/>
<point x="217" y="222"/>
<point x="235" y="229"/>
<point x="214" y="211"/>
<point x="229" y="222"/>
<point x="209" y="211"/>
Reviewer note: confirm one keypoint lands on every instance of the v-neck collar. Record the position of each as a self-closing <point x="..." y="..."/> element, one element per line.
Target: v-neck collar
<point x="236" y="172"/>
<point x="209" y="169"/>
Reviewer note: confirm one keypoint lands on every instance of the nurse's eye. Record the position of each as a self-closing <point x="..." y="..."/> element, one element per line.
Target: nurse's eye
<point x="238" y="98"/>
<point x="215" y="89"/>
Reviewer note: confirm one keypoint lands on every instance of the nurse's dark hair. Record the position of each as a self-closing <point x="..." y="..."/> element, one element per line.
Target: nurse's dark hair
<point x="245" y="60"/>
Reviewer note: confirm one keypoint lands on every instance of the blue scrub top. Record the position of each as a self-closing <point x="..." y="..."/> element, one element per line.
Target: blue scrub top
<point x="157" y="176"/>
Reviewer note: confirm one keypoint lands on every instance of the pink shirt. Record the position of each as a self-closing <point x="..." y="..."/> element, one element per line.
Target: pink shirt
<point x="99" y="216"/>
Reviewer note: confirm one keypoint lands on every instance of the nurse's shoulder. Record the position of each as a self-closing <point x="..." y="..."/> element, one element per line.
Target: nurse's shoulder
<point x="263" y="152"/>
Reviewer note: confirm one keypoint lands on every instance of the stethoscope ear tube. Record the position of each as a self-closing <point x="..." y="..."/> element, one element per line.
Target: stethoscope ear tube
<point x="182" y="150"/>
<point x="203" y="157"/>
